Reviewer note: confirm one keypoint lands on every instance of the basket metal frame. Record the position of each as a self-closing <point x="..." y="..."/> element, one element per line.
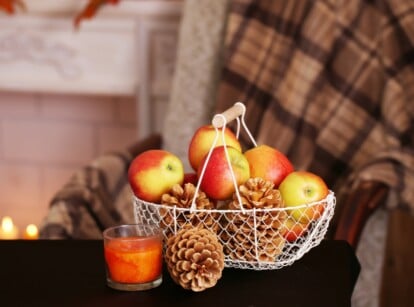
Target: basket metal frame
<point x="146" y="212"/>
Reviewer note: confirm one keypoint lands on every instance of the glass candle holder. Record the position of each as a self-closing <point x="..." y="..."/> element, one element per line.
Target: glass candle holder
<point x="133" y="256"/>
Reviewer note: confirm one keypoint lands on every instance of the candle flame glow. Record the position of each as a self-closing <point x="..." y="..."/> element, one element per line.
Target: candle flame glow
<point x="8" y="230"/>
<point x="32" y="231"/>
<point x="7" y="224"/>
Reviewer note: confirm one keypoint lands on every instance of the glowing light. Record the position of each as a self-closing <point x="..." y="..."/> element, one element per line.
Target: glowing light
<point x="8" y="230"/>
<point x="31" y="233"/>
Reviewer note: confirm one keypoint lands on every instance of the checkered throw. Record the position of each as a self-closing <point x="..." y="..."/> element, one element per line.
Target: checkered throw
<point x="96" y="197"/>
<point x="329" y="83"/>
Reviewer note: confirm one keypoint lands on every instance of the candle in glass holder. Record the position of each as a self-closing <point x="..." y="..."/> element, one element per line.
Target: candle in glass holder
<point x="8" y="231"/>
<point x="133" y="256"/>
<point x="31" y="233"/>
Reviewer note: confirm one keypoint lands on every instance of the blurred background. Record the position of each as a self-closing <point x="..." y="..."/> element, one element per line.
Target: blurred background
<point x="68" y="94"/>
<point x="79" y="78"/>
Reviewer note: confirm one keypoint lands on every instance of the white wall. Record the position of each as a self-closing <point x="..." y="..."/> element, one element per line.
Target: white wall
<point x="52" y="123"/>
<point x="44" y="138"/>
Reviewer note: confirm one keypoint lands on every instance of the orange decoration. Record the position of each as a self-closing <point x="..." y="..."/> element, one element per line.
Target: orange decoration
<point x="131" y="260"/>
<point x="90" y="10"/>
<point x="9" y="5"/>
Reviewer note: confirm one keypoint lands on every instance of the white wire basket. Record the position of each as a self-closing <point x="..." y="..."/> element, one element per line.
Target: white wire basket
<point x="252" y="238"/>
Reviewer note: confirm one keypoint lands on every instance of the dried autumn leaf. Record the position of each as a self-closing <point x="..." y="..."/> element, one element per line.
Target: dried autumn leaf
<point x="90" y="10"/>
<point x="9" y="5"/>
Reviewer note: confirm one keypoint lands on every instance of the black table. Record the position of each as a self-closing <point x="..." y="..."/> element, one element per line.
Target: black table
<point x="71" y="273"/>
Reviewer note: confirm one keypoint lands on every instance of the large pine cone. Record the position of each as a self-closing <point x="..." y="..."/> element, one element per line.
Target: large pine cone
<point x="181" y="198"/>
<point x="255" y="236"/>
<point x="195" y="258"/>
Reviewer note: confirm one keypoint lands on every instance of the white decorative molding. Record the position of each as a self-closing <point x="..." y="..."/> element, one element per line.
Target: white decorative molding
<point x="164" y="47"/>
<point x="126" y="50"/>
<point x="22" y="45"/>
<point x="125" y="8"/>
<point x="40" y="51"/>
<point x="157" y="39"/>
<point x="102" y="59"/>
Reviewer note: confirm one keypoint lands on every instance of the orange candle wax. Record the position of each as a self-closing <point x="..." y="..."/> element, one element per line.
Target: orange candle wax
<point x="134" y="259"/>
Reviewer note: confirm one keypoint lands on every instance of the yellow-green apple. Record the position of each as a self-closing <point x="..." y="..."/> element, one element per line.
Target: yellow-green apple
<point x="202" y="141"/>
<point x="291" y="229"/>
<point x="268" y="163"/>
<point x="303" y="188"/>
<point x="217" y="181"/>
<point x="153" y="173"/>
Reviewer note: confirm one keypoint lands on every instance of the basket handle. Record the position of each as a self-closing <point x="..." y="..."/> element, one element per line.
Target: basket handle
<point x="220" y="120"/>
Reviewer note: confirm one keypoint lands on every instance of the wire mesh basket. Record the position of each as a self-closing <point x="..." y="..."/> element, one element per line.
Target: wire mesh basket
<point x="258" y="238"/>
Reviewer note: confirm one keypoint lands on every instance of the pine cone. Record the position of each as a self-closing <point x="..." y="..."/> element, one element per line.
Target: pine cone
<point x="255" y="236"/>
<point x="195" y="258"/>
<point x="181" y="198"/>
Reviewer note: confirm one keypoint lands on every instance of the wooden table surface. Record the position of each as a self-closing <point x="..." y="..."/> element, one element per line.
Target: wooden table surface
<point x="72" y="273"/>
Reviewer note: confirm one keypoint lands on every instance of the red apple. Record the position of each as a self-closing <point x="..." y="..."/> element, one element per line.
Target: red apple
<point x="300" y="188"/>
<point x="291" y="230"/>
<point x="202" y="141"/>
<point x="217" y="181"/>
<point x="268" y="163"/>
<point x="153" y="173"/>
<point x="190" y="178"/>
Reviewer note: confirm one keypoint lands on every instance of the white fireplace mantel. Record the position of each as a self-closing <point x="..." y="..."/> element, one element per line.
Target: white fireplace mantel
<point x="127" y="49"/>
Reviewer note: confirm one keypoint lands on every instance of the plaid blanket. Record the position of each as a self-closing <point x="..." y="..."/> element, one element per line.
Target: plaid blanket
<point x="96" y="197"/>
<point x="329" y="83"/>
